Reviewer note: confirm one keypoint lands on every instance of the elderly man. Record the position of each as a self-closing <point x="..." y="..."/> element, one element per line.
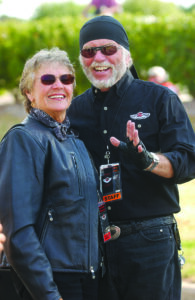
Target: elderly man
<point x="141" y="140"/>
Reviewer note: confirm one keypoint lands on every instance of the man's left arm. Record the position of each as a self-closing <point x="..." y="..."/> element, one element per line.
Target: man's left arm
<point x="164" y="167"/>
<point x="156" y="163"/>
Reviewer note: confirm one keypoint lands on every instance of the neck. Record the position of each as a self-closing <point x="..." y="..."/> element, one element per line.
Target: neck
<point x="58" y="117"/>
<point x="104" y="89"/>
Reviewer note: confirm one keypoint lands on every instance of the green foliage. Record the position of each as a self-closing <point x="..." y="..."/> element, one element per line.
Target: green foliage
<point x="20" y="40"/>
<point x="151" y="7"/>
<point x="53" y="10"/>
<point x="190" y="9"/>
<point x="167" y="41"/>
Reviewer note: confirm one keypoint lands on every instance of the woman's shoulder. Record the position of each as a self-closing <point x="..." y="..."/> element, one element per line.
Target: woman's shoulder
<point x="27" y="133"/>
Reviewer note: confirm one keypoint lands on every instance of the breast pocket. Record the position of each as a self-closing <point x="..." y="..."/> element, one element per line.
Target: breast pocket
<point x="148" y="131"/>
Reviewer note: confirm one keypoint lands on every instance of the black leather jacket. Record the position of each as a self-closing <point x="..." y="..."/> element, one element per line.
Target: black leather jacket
<point x="48" y="206"/>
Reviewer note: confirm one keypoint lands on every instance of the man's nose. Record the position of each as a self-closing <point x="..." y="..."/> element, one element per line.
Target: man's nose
<point x="99" y="56"/>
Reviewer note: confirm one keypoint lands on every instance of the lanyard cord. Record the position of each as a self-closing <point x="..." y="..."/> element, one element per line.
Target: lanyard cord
<point x="107" y="153"/>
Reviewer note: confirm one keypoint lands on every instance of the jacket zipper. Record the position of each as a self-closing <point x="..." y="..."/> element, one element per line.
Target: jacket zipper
<point x="50" y="214"/>
<point x="77" y="172"/>
<point x="92" y="272"/>
<point x="91" y="268"/>
<point x="48" y="217"/>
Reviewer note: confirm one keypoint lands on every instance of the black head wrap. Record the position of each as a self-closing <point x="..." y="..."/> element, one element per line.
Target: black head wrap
<point x="103" y="27"/>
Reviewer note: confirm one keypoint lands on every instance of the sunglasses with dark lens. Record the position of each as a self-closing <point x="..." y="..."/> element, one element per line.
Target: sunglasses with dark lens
<point x="48" y="79"/>
<point x="106" y="50"/>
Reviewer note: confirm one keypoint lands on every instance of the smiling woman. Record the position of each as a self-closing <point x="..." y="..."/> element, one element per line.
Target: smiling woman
<point x="52" y="90"/>
<point x="47" y="83"/>
<point x="43" y="164"/>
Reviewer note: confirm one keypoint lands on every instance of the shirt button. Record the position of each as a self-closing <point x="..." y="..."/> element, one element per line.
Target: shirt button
<point x="105" y="131"/>
<point x="105" y="108"/>
<point x="139" y="125"/>
<point x="109" y="208"/>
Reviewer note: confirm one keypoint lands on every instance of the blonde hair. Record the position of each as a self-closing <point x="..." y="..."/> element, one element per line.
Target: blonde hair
<point x="53" y="55"/>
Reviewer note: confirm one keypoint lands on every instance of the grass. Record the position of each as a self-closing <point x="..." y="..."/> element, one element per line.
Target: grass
<point x="186" y="223"/>
<point x="185" y="218"/>
<point x="192" y="119"/>
<point x="6" y="121"/>
<point x="188" y="271"/>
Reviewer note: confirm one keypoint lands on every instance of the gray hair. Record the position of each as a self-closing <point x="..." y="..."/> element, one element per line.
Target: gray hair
<point x="158" y="72"/>
<point x="53" y="55"/>
<point x="128" y="53"/>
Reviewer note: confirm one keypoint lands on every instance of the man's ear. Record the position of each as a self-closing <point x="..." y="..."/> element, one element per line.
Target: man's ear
<point x="129" y="60"/>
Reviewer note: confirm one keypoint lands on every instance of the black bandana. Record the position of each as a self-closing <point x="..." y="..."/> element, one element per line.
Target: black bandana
<point x="103" y="27"/>
<point x="60" y="129"/>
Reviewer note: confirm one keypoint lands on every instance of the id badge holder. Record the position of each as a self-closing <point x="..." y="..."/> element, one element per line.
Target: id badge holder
<point x="105" y="226"/>
<point x="110" y="182"/>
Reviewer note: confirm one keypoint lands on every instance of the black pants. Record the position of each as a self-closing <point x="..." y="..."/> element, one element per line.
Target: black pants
<point x="142" y="264"/>
<point x="7" y="290"/>
<point x="71" y="287"/>
<point x="77" y="286"/>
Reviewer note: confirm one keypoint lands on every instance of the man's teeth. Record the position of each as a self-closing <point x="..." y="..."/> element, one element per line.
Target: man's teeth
<point x="57" y="96"/>
<point x="101" y="68"/>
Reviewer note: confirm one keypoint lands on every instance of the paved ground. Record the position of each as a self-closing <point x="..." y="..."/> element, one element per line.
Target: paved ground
<point x="190" y="107"/>
<point x="188" y="291"/>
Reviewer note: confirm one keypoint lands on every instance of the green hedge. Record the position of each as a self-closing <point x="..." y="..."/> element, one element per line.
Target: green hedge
<point x="166" y="41"/>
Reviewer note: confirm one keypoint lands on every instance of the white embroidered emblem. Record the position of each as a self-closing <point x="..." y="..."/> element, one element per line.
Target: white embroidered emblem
<point x="140" y="115"/>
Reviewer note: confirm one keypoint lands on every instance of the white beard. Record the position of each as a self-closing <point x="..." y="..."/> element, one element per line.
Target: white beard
<point x="117" y="72"/>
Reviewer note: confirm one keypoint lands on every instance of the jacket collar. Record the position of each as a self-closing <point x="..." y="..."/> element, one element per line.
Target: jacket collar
<point x="60" y="129"/>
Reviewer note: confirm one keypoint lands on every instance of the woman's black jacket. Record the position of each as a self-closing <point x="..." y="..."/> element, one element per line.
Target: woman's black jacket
<point x="48" y="206"/>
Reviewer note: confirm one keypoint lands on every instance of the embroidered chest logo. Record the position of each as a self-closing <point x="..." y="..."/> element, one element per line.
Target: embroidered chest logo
<point x="140" y="116"/>
<point x="107" y="179"/>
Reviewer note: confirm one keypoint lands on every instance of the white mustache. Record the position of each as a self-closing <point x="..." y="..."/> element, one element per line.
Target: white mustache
<point x="102" y="64"/>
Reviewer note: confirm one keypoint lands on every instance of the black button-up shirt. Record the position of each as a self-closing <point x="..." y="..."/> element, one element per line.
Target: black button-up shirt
<point x="163" y="126"/>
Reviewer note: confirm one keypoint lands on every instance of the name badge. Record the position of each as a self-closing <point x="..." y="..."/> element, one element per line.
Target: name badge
<point x="105" y="226"/>
<point x="110" y="182"/>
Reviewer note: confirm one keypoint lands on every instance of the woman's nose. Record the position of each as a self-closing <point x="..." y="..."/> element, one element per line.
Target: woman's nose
<point x="57" y="83"/>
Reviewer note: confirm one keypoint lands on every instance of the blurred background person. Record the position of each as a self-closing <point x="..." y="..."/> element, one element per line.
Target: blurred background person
<point x="158" y="75"/>
<point x="108" y="7"/>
